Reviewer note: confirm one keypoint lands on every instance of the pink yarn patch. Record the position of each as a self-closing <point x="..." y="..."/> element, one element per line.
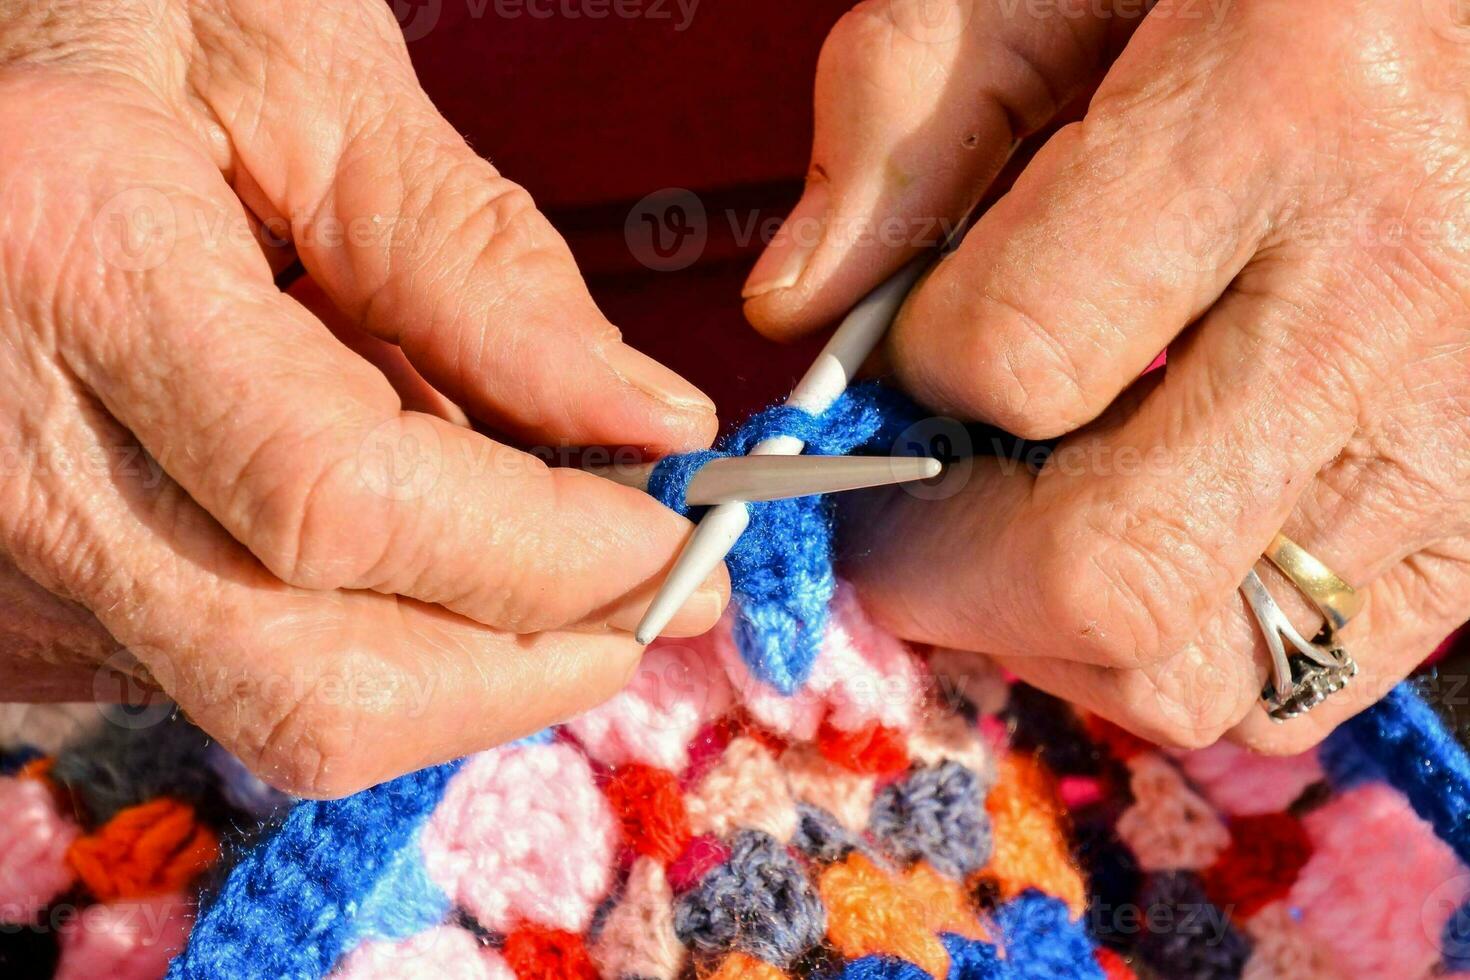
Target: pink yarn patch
<point x="129" y="940"/>
<point x="1168" y="827"/>
<point x="34" y="837"/>
<point x="745" y="789"/>
<point x="638" y="938"/>
<point x="814" y="779"/>
<point x="1379" y="886"/>
<point x="441" y="953"/>
<point x="1242" y="783"/>
<point x="523" y="834"/>
<point x="862" y="676"/>
<point x="1281" y="949"/>
<point x="678" y="687"/>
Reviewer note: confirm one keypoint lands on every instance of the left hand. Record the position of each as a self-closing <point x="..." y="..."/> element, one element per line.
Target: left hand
<point x="1278" y="192"/>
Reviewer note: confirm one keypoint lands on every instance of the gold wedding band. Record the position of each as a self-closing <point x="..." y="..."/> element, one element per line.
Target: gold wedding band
<point x="1337" y="601"/>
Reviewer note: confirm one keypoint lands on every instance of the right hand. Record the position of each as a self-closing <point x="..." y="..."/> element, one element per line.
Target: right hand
<point x="202" y="483"/>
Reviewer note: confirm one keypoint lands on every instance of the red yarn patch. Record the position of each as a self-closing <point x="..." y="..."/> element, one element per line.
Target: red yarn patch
<point x="870" y="749"/>
<point x="1114" y="967"/>
<point x="1122" y="745"/>
<point x="650" y="805"/>
<point x="537" y="953"/>
<point x="703" y="855"/>
<point x="149" y="849"/>
<point x="1261" y="864"/>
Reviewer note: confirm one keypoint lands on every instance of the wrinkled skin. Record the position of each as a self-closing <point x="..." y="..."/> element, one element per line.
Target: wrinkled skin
<point x="1279" y="193"/>
<point x="271" y="505"/>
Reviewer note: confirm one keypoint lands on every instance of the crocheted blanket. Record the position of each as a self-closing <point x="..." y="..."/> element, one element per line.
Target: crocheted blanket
<point x="853" y="808"/>
<point x="911" y="816"/>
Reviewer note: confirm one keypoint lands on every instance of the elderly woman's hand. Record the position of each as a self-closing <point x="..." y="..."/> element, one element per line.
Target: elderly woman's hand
<point x="1280" y="192"/>
<point x="262" y="500"/>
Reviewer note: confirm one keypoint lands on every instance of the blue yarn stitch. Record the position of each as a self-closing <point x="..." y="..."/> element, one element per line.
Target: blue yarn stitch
<point x="781" y="568"/>
<point x="936" y="813"/>
<point x="1041" y="941"/>
<point x="972" y="959"/>
<point x="1406" y="740"/>
<point x="880" y="967"/>
<point x="403" y="902"/>
<point x="760" y="901"/>
<point x="290" y="909"/>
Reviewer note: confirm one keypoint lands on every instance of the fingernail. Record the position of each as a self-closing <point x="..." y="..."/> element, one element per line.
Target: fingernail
<point x="655" y="380"/>
<point x="785" y="259"/>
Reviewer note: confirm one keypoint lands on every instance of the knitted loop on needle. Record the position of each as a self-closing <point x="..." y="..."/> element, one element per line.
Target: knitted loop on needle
<point x="781" y="568"/>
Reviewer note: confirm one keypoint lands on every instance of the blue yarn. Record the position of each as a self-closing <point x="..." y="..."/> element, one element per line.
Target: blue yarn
<point x="883" y="968"/>
<point x="291" y="907"/>
<point x="937" y="813"/>
<point x="1041" y="941"/>
<point x="760" y="901"/>
<point x="403" y="902"/>
<point x="1405" y="739"/>
<point x="972" y="959"/>
<point x="544" y="737"/>
<point x="13" y="759"/>
<point x="1345" y="762"/>
<point x="781" y="568"/>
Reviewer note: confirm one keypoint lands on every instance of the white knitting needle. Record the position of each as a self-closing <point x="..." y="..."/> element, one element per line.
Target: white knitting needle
<point x="822" y="384"/>
<point x="748" y="478"/>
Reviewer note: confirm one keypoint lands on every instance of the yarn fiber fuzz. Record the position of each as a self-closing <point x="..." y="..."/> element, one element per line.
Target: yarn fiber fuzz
<point x="795" y="794"/>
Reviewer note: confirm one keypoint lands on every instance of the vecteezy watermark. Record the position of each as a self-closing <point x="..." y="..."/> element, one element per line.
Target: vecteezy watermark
<point x="1198" y="230"/>
<point x="136" y="230"/>
<point x="931" y="21"/>
<point x="670" y="229"/>
<point x="417" y="18"/>
<point x="129" y="693"/>
<point x="667" y="230"/>
<point x="1210" y="12"/>
<point x="677" y="13"/>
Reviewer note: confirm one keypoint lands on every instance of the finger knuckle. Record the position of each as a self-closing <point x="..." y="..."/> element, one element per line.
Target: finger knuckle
<point x="309" y="531"/>
<point x="1115" y="592"/>
<point x="1024" y="377"/>
<point x="312" y="745"/>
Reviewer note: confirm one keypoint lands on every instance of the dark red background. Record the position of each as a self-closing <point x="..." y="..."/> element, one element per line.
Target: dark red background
<point x="591" y="115"/>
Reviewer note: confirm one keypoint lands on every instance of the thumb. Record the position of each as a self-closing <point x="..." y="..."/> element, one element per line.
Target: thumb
<point x="425" y="245"/>
<point x="918" y="103"/>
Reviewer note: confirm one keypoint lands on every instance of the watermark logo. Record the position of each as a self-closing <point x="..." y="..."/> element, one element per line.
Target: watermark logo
<point x="667" y="230"/>
<point x="1198" y="229"/>
<point x="417" y="18"/>
<point x="130" y="694"/>
<point x="398" y="461"/>
<point x="136" y="230"/>
<point x="946" y="440"/>
<point x="931" y="21"/>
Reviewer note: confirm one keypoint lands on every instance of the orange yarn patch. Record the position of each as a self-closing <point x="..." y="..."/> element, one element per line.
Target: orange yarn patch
<point x="942" y="902"/>
<point x="149" y="849"/>
<point x="538" y="953"/>
<point x="872" y="748"/>
<point x="1031" y="848"/>
<point x="869" y="913"/>
<point x="738" y="966"/>
<point x="650" y="806"/>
